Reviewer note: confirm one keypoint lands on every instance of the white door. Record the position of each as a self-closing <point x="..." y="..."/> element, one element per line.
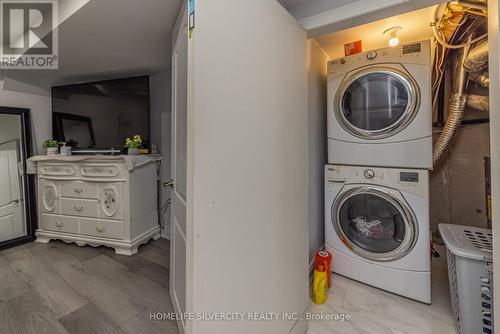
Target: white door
<point x="247" y="195"/>
<point x="11" y="212"/>
<point x="179" y="169"/>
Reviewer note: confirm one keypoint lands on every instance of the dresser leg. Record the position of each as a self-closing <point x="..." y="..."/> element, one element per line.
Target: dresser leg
<point x="126" y="250"/>
<point x="42" y="239"/>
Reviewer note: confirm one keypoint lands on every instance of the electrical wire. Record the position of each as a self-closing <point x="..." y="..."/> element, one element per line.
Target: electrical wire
<point x="440" y="38"/>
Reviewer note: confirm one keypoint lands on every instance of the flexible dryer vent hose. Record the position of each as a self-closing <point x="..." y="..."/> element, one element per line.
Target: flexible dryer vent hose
<point x="455" y="116"/>
<point x="456" y="107"/>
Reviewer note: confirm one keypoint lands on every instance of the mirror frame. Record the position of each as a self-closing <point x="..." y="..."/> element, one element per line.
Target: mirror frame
<point x="29" y="180"/>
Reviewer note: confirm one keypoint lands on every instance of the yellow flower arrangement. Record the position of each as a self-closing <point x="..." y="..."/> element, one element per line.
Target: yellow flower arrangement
<point x="135" y="142"/>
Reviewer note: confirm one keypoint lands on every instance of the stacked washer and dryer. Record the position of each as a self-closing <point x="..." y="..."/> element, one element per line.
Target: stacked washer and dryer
<point x="377" y="177"/>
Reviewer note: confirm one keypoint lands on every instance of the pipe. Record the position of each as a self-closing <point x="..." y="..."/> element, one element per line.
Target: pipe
<point x="481" y="78"/>
<point x="475" y="4"/>
<point x="477" y="59"/>
<point x="440" y="39"/>
<point x="456" y="108"/>
<point x="478" y="102"/>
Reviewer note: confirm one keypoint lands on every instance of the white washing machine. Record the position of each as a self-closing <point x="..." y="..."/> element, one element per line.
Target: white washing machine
<point x="377" y="227"/>
<point x="379" y="108"/>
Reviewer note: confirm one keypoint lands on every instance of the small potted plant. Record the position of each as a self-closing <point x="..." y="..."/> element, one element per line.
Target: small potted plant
<point x="52" y="147"/>
<point x="133" y="145"/>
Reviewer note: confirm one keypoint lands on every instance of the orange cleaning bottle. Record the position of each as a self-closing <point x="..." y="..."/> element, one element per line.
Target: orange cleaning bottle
<point x="325" y="258"/>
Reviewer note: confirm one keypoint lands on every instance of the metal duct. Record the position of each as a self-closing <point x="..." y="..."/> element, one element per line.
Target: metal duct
<point x="478" y="57"/>
<point x="456" y="108"/>
<point x="479" y="102"/>
<point x="481" y="78"/>
<point x="476" y="4"/>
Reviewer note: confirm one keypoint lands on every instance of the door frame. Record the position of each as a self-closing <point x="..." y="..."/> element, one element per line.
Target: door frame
<point x="494" y="71"/>
<point x="29" y="183"/>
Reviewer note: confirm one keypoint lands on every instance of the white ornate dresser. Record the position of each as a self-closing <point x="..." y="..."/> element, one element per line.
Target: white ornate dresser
<point x="98" y="200"/>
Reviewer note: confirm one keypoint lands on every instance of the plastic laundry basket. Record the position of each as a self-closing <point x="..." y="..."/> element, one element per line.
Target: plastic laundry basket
<point x="470" y="270"/>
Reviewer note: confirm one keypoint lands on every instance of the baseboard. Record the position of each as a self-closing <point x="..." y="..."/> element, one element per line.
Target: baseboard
<point x="165" y="233"/>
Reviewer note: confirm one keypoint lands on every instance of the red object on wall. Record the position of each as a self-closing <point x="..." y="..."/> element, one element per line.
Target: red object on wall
<point x="353" y="48"/>
<point x="323" y="261"/>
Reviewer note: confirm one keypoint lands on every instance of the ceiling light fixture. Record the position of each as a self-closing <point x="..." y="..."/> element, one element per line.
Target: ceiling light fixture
<point x="392" y="35"/>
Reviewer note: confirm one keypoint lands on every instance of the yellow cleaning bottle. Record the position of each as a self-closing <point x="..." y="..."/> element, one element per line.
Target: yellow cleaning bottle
<point x="320" y="285"/>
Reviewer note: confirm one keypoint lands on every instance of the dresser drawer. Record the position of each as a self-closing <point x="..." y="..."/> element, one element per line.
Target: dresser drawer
<point x="79" y="189"/>
<point x="79" y="207"/>
<point x="59" y="223"/>
<point x="102" y="228"/>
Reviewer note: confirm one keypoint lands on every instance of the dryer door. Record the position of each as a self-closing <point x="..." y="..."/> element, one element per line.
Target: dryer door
<point x="375" y="223"/>
<point x="377" y="101"/>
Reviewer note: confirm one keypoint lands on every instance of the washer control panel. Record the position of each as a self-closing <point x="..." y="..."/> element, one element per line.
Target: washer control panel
<point x="410" y="180"/>
<point x="369" y="174"/>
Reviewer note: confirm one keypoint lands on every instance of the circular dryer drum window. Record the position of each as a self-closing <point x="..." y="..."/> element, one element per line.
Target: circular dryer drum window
<point x="375" y="224"/>
<point x="376" y="102"/>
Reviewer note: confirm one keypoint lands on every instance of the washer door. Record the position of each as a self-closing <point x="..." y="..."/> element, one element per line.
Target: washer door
<point x="376" y="102"/>
<point x="375" y="223"/>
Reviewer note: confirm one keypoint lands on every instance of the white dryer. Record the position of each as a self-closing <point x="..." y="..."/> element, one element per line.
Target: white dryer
<point x="377" y="227"/>
<point x="379" y="108"/>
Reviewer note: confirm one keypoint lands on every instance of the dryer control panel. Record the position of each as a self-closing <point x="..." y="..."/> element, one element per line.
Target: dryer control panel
<point x="411" y="53"/>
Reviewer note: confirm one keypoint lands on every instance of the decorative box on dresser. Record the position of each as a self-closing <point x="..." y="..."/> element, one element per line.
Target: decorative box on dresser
<point x="98" y="200"/>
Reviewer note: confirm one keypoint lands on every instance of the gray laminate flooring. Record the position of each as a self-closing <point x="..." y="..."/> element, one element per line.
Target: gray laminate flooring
<point x="63" y="288"/>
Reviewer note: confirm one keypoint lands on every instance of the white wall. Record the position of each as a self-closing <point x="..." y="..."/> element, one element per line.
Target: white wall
<point x="41" y="113"/>
<point x="161" y="113"/>
<point x="316" y="78"/>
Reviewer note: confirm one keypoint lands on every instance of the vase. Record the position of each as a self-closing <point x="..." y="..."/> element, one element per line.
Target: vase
<point x="133" y="151"/>
<point x="52" y="151"/>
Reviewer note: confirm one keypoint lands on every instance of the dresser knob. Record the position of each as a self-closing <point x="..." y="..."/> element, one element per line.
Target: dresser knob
<point x="100" y="229"/>
<point x="78" y="190"/>
<point x="78" y="208"/>
<point x="60" y="225"/>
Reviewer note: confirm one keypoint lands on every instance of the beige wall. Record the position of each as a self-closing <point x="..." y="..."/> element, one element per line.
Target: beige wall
<point x="457" y="183"/>
<point x="316" y="75"/>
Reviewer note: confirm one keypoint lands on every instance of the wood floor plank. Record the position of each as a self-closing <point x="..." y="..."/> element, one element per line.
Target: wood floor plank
<point x="27" y="314"/>
<point x="57" y="251"/>
<point x="11" y="284"/>
<point x="143" y="324"/>
<point x="138" y="287"/>
<point x="157" y="251"/>
<point x="147" y="268"/>
<point x="60" y="297"/>
<point x="106" y="296"/>
<point x="90" y="320"/>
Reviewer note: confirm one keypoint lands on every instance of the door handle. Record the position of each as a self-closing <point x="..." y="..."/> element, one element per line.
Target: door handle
<point x="169" y="184"/>
<point x="14" y="201"/>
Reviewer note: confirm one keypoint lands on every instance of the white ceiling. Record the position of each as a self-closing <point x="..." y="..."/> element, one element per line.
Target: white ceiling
<point x="110" y="38"/>
<point x="415" y="26"/>
<point x="305" y="8"/>
<point x="320" y="17"/>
